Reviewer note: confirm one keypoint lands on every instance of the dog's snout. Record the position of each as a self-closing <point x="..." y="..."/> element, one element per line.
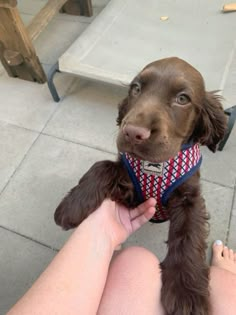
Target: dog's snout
<point x="135" y="134"/>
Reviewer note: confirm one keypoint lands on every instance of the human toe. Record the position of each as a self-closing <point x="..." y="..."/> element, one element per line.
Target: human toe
<point x="226" y="252"/>
<point x="217" y="249"/>
<point x="231" y="254"/>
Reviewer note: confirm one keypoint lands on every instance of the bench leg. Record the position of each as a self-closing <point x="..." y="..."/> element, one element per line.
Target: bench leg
<point x="78" y="7"/>
<point x="51" y="85"/>
<point x="17" y="52"/>
<point x="231" y="113"/>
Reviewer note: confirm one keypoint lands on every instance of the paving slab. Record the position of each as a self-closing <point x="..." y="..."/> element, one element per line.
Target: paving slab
<point x="22" y="261"/>
<point x="88" y="115"/>
<point x="26" y="18"/>
<point x="50" y="170"/>
<point x="29" y="7"/>
<point x="14" y="143"/>
<point x="151" y="236"/>
<point x="220" y="167"/>
<point x="27" y="104"/>
<point x="218" y="202"/>
<point x="60" y="34"/>
<point x="219" y="205"/>
<point x="229" y="86"/>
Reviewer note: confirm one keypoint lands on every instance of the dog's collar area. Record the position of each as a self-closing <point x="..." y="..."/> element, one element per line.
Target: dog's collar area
<point x="159" y="180"/>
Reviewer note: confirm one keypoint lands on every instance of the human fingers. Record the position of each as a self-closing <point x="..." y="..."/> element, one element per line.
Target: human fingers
<point x="143" y="218"/>
<point x="151" y="202"/>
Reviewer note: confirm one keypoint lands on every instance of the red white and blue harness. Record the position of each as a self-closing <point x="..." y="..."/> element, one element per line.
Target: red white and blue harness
<point x="159" y="180"/>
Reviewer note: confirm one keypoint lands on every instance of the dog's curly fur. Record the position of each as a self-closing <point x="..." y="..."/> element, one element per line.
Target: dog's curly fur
<point x="167" y="99"/>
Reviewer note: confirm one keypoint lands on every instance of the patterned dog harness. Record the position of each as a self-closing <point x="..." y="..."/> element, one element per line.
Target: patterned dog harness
<point x="159" y="180"/>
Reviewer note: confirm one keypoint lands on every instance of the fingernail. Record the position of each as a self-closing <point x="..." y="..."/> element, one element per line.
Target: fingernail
<point x="218" y="242"/>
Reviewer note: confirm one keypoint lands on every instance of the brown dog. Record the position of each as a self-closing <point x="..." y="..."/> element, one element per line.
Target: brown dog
<point x="166" y="111"/>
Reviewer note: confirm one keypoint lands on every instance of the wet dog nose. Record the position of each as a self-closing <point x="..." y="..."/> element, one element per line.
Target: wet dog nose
<point x="136" y="134"/>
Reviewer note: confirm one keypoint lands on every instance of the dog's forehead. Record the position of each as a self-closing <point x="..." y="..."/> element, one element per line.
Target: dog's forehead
<point x="173" y="67"/>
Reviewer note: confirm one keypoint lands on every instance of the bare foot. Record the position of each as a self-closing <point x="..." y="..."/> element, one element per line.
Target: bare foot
<point x="223" y="257"/>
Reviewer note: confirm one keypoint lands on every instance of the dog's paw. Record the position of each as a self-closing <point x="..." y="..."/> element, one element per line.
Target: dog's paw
<point x="105" y="179"/>
<point x="74" y="208"/>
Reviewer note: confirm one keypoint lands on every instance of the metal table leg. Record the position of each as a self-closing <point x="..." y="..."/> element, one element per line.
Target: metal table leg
<point x="231" y="112"/>
<point x="51" y="84"/>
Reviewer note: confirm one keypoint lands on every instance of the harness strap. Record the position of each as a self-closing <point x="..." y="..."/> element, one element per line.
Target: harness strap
<point x="159" y="180"/>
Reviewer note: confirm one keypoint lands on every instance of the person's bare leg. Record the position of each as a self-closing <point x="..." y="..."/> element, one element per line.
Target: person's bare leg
<point x="223" y="280"/>
<point x="133" y="285"/>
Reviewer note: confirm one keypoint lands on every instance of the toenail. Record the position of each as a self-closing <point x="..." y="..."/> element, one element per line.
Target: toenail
<point x="218" y="242"/>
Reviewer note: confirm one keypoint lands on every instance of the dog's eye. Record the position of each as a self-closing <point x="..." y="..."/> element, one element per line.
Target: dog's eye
<point x="182" y="99"/>
<point x="135" y="88"/>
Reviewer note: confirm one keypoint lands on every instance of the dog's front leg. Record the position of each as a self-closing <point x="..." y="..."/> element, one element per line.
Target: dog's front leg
<point x="184" y="270"/>
<point x="105" y="179"/>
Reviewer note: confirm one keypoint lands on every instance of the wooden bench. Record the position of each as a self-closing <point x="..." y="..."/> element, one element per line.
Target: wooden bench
<point x="17" y="52"/>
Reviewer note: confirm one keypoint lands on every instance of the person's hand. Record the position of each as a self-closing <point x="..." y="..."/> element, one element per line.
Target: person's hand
<point x="120" y="222"/>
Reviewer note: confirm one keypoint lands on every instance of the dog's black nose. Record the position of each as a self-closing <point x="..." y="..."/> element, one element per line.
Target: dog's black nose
<point x="135" y="134"/>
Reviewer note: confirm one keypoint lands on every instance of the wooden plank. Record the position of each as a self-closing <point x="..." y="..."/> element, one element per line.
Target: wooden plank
<point x="230" y="7"/>
<point x="15" y="46"/>
<point x="8" y="3"/>
<point x="17" y="53"/>
<point x="44" y="16"/>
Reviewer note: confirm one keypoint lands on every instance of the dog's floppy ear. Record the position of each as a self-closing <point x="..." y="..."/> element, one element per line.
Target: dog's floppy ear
<point x="122" y="110"/>
<point x="212" y="123"/>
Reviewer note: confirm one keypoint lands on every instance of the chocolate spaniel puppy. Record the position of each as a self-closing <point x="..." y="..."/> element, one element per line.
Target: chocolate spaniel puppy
<point x="163" y="120"/>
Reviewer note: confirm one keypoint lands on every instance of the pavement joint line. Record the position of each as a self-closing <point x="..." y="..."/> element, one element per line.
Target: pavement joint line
<point x="77" y="143"/>
<point x="59" y="138"/>
<point x="19" y="165"/>
<point x="216" y="183"/>
<point x="29" y="149"/>
<point x="80" y="143"/>
<point x="29" y="238"/>
<point x="231" y="214"/>
<point x="18" y="126"/>
<point x="227" y="68"/>
<point x="33" y="143"/>
<point x="59" y="103"/>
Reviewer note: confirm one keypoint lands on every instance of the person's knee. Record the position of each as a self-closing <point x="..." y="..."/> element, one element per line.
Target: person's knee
<point x="138" y="258"/>
<point x="139" y="252"/>
<point x="134" y="275"/>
